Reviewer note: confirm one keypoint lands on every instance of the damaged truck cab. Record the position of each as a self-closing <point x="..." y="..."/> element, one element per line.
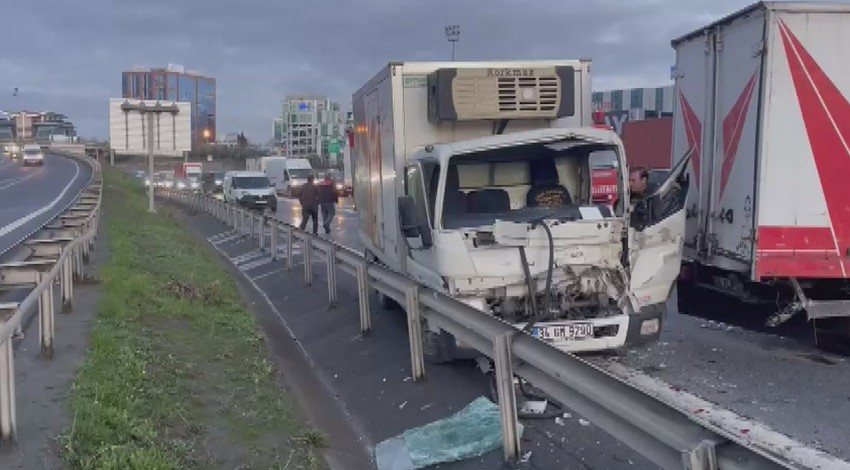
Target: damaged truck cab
<point x="478" y="183"/>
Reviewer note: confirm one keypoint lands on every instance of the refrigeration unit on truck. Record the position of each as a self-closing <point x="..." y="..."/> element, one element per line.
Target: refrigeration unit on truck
<point x="295" y="176"/>
<point x="474" y="179"/>
<point x="763" y="96"/>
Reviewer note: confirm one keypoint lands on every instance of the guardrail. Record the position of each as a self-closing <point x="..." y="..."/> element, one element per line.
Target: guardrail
<point x="691" y="434"/>
<point x="59" y="257"/>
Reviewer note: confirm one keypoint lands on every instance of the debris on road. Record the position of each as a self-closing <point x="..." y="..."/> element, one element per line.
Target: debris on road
<point x="471" y="432"/>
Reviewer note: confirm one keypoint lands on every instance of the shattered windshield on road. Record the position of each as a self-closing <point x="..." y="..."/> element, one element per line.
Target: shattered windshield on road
<point x="522" y="184"/>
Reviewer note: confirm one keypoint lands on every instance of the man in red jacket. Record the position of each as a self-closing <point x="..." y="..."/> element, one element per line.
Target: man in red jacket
<point x="328" y="198"/>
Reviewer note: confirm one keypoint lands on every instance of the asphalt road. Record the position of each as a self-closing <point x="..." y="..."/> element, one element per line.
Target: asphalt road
<point x="31" y="196"/>
<point x="779" y="378"/>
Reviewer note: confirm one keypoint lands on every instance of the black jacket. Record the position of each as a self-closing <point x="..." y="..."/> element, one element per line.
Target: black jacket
<point x="327" y="193"/>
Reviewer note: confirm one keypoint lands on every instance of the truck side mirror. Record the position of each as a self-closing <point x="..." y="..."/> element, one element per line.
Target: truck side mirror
<point x="411" y="222"/>
<point x="407" y="217"/>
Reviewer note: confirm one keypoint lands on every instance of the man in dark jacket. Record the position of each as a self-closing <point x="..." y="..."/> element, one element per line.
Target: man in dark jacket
<point x="327" y="201"/>
<point x="309" y="200"/>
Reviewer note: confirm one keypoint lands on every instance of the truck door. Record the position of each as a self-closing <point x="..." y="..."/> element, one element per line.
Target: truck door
<point x="692" y="126"/>
<point x="738" y="64"/>
<point x="420" y="256"/>
<point x="656" y="235"/>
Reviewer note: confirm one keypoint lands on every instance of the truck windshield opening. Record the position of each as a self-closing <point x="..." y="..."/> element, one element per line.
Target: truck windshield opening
<point x="300" y="173"/>
<point x="521" y="184"/>
<point x="251" y="182"/>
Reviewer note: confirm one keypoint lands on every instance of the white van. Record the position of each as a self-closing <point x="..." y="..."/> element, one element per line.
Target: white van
<point x="32" y="155"/>
<point x="295" y="175"/>
<point x="250" y="189"/>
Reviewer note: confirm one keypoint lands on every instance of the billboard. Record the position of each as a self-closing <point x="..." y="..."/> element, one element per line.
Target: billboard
<point x="128" y="132"/>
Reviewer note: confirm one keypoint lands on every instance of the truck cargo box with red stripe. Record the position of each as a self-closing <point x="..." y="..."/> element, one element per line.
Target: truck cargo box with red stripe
<point x="762" y="97"/>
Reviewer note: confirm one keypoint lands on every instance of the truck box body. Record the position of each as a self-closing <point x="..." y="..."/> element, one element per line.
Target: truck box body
<point x="391" y="121"/>
<point x="648" y="143"/>
<point x="189" y="170"/>
<point x="762" y="97"/>
<point x="347" y="175"/>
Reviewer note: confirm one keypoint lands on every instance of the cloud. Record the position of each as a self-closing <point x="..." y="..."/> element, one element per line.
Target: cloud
<point x="262" y="50"/>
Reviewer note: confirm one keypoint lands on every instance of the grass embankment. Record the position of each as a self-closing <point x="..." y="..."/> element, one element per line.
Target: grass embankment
<point x="177" y="374"/>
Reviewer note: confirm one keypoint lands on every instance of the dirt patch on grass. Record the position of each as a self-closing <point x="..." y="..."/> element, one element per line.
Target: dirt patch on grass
<point x="177" y="375"/>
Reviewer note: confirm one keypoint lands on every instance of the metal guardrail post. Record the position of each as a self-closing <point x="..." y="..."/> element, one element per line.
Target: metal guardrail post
<point x="261" y="231"/>
<point x="289" y="240"/>
<point x="274" y="229"/>
<point x="308" y="260"/>
<point x="331" y="266"/>
<point x="45" y="317"/>
<point x="66" y="281"/>
<point x="507" y="396"/>
<point x="414" y="330"/>
<point x="252" y="222"/>
<point x="8" y="418"/>
<point x="363" y="298"/>
<point x="78" y="262"/>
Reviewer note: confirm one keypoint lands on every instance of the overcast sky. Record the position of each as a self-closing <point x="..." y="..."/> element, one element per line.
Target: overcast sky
<point x="67" y="56"/>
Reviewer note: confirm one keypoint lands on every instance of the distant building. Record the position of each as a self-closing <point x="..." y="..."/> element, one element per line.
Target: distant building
<point x="37" y="126"/>
<point x="174" y="83"/>
<point x="309" y="126"/>
<point x="633" y="104"/>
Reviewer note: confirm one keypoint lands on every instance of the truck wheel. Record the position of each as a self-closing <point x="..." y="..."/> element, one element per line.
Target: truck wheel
<point x="387" y="303"/>
<point x="436" y="347"/>
<point x="833" y="335"/>
<point x="686" y="292"/>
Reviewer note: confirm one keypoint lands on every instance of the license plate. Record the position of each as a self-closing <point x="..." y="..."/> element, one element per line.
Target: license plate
<point x="572" y="331"/>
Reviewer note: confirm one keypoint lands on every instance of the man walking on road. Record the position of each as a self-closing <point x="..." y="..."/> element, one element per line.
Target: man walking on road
<point x="309" y="200"/>
<point x="327" y="201"/>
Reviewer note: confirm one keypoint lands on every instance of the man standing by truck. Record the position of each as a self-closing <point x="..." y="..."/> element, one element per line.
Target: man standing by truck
<point x="328" y="198"/>
<point x="309" y="200"/>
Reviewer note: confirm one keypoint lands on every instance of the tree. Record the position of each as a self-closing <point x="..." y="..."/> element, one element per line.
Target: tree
<point x="241" y="140"/>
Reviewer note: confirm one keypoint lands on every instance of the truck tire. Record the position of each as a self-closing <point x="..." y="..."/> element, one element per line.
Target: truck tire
<point x="387" y="303"/>
<point x="437" y="348"/>
<point x="833" y="335"/>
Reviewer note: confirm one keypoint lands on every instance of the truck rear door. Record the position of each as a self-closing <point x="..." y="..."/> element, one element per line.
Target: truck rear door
<point x="718" y="81"/>
<point x="730" y="229"/>
<point x="692" y="127"/>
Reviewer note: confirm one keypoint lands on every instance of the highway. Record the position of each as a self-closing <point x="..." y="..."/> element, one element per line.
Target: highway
<point x="783" y="382"/>
<point x="31" y="196"/>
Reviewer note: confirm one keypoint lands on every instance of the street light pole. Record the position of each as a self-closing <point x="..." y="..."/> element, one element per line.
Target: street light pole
<point x="453" y="35"/>
<point x="148" y="111"/>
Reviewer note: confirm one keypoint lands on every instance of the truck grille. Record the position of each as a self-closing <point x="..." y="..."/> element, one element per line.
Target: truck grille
<point x="528" y="93"/>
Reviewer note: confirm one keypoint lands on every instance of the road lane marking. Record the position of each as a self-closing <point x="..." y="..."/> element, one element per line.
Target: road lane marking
<point x="9" y="182"/>
<point x="270" y="273"/>
<point x="23" y="220"/>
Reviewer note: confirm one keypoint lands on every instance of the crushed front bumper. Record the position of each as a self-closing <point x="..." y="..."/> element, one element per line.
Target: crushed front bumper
<point x="609" y="333"/>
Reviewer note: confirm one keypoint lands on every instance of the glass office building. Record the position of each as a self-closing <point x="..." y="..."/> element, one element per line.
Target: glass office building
<point x="173" y="83"/>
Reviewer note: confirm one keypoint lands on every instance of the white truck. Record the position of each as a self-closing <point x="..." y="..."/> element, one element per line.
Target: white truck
<point x="274" y="168"/>
<point x="474" y="179"/>
<point x="295" y="176"/>
<point x="762" y="96"/>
